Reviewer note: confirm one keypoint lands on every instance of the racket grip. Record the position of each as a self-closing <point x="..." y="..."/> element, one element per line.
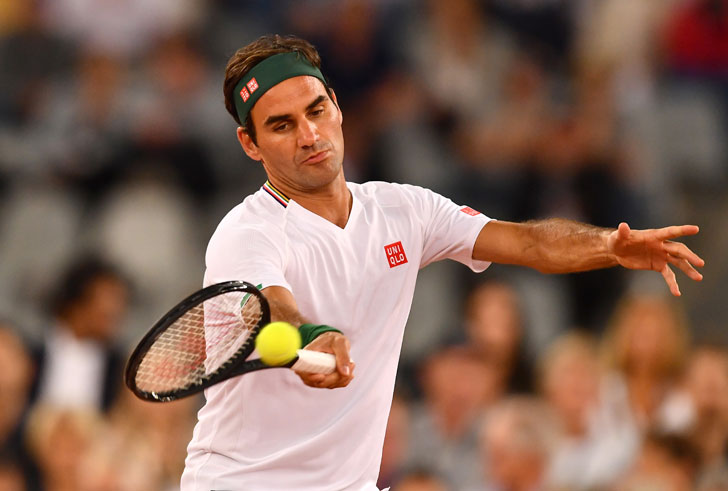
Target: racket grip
<point x="314" y="362"/>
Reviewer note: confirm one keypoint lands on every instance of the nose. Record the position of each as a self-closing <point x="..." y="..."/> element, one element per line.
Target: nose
<point x="307" y="133"/>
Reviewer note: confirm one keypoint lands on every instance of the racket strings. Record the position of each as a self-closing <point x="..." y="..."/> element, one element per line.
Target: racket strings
<point x="199" y="343"/>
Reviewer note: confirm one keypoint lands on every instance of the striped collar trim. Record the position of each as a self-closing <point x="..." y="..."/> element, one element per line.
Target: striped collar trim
<point x="277" y="195"/>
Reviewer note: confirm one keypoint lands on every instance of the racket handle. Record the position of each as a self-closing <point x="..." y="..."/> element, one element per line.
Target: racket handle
<point x="314" y="362"/>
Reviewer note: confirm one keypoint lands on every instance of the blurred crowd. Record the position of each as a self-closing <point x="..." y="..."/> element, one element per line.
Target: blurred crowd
<point x="117" y="160"/>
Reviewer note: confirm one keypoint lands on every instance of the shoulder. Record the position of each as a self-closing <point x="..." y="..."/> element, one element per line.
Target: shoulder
<point x="390" y="193"/>
<point x="257" y="210"/>
<point x="259" y="215"/>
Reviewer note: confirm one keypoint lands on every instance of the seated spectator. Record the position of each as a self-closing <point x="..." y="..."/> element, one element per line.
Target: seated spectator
<point x="493" y="326"/>
<point x="421" y="480"/>
<point x="516" y="445"/>
<point x="78" y="365"/>
<point x="706" y="382"/>
<point x="395" y="448"/>
<point x="16" y="372"/>
<point x="11" y="473"/>
<point x="665" y="462"/>
<point x="645" y="349"/>
<point x="59" y="440"/>
<point x="598" y="439"/>
<point x="458" y="386"/>
<point x="146" y="442"/>
<point x="696" y="41"/>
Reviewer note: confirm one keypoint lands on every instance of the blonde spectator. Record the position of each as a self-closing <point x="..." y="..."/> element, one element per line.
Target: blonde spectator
<point x="114" y="462"/>
<point x="645" y="349"/>
<point x="598" y="439"/>
<point x="159" y="432"/>
<point x="58" y="440"/>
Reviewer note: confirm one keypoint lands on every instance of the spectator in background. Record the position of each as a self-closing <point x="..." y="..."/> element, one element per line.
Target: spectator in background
<point x="666" y="462"/>
<point x="460" y="56"/>
<point x="597" y="440"/>
<point x="30" y="57"/>
<point x="78" y="364"/>
<point x="696" y="49"/>
<point x="396" y="443"/>
<point x="696" y="39"/>
<point x="706" y="382"/>
<point x="460" y="59"/>
<point x="11" y="473"/>
<point x="421" y="480"/>
<point x="645" y="349"/>
<point x="166" y="137"/>
<point x="151" y="437"/>
<point x="516" y="444"/>
<point x="543" y="25"/>
<point x="16" y="375"/>
<point x="123" y="28"/>
<point x="494" y="328"/>
<point x="58" y="440"/>
<point x="80" y="141"/>
<point x="356" y="39"/>
<point x="458" y="386"/>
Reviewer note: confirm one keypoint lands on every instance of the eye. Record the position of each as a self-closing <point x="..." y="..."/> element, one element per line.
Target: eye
<point x="317" y="112"/>
<point x="281" y="127"/>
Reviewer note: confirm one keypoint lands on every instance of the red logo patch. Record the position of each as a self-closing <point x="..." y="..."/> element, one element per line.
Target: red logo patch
<point x="252" y="85"/>
<point x="395" y="254"/>
<point x="470" y="211"/>
<point x="245" y="94"/>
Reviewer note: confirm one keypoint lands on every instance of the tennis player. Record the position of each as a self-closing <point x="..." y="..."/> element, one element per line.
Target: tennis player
<point x="327" y="252"/>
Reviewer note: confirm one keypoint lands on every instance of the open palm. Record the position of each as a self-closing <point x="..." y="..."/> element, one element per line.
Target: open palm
<point x="653" y="249"/>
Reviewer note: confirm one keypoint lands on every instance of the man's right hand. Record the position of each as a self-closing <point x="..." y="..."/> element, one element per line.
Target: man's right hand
<point x="338" y="345"/>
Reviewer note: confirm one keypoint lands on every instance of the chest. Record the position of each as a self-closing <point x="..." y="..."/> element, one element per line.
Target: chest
<point x="363" y="266"/>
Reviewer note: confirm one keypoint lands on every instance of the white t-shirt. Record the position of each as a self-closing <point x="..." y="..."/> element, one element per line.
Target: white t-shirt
<point x="268" y="431"/>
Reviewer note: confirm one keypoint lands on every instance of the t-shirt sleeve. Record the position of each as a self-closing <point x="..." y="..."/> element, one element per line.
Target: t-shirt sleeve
<point x="246" y="253"/>
<point x="450" y="230"/>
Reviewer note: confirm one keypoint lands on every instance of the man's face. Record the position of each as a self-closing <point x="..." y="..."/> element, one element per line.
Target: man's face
<point x="300" y="140"/>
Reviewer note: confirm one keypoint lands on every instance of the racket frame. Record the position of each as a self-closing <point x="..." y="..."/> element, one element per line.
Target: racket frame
<point x="235" y="365"/>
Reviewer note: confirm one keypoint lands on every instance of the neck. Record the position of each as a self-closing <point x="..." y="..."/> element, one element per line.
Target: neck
<point x="331" y="202"/>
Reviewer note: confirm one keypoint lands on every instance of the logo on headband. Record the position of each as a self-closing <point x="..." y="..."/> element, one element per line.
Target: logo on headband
<point x="244" y="94"/>
<point x="252" y="85"/>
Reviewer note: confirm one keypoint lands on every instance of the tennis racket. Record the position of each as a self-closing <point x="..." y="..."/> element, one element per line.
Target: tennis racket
<point x="205" y="339"/>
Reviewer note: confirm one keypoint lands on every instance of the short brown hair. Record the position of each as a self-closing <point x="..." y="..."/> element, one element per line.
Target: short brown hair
<point x="248" y="56"/>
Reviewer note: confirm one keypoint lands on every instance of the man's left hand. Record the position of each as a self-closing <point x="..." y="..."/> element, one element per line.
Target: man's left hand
<point x="653" y="249"/>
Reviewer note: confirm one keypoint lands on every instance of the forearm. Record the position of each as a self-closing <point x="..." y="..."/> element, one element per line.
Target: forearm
<point x="566" y="246"/>
<point x="283" y="306"/>
<point x="551" y="246"/>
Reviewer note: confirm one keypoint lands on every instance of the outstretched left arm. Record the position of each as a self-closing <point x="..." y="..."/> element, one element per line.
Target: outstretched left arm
<point x="564" y="246"/>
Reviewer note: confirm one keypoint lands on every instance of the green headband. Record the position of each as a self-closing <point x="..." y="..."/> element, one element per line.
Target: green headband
<point x="268" y="73"/>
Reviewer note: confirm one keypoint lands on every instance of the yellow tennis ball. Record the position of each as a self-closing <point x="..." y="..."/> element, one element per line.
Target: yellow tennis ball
<point x="277" y="343"/>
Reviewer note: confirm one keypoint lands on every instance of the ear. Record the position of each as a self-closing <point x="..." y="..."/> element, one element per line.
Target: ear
<point x="250" y="148"/>
<point x="336" y="103"/>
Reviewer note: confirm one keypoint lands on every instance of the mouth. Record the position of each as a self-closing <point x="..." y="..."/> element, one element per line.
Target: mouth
<point x="316" y="158"/>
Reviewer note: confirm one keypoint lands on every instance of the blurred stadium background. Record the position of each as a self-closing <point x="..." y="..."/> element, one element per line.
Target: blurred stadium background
<point x="117" y="160"/>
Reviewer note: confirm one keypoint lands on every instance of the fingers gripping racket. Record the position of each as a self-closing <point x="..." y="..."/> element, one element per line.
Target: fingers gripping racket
<point x="206" y="339"/>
